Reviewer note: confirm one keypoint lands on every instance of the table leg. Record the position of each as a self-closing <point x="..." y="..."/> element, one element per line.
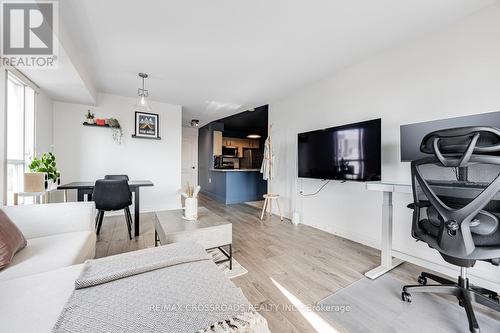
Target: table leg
<point x="65" y="195"/>
<point x="227" y="254"/>
<point x="387" y="262"/>
<point x="16" y="199"/>
<point x="136" y="212"/>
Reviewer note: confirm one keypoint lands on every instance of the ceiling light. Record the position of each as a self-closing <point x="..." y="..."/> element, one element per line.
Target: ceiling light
<point x="195" y="123"/>
<point x="253" y="136"/>
<point x="142" y="104"/>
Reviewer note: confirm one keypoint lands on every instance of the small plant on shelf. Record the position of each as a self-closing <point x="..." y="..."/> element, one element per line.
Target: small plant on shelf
<point x="89" y="117"/>
<point x="46" y="164"/>
<point x="117" y="129"/>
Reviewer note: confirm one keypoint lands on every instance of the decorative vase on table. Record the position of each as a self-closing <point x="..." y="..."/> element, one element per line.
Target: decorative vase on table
<point x="191" y="209"/>
<point x="52" y="184"/>
<point x="190" y="196"/>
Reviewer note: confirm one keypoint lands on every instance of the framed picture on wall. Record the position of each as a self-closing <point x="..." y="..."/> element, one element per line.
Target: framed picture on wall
<point x="147" y="125"/>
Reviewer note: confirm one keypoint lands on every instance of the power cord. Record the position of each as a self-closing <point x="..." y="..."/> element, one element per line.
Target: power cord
<point x="319" y="190"/>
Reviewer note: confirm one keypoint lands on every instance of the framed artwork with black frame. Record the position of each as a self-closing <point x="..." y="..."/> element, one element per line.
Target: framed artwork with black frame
<point x="147" y="126"/>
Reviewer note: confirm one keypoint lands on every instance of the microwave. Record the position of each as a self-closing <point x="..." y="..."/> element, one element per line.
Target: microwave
<point x="230" y="151"/>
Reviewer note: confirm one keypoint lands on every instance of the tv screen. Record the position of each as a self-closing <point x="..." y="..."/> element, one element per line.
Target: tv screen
<point x="348" y="152"/>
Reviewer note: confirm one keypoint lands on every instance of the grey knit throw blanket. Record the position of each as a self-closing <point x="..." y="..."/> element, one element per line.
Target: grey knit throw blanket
<point x="173" y="288"/>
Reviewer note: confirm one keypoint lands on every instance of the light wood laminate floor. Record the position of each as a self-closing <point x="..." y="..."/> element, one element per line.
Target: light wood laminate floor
<point x="306" y="262"/>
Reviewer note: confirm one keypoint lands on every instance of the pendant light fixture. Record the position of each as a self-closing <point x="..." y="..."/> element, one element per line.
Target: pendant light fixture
<point x="142" y="104"/>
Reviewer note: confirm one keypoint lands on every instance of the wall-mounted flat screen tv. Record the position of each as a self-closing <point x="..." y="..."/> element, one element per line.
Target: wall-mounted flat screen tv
<point x="348" y="152"/>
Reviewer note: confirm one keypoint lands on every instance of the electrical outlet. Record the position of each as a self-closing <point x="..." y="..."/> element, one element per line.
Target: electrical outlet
<point x="210" y="180"/>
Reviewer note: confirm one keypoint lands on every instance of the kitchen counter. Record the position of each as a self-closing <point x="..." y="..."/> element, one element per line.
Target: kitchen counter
<point x="234" y="170"/>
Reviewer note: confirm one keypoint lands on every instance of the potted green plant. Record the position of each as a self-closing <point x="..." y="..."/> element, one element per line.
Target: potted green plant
<point x="46" y="164"/>
<point x="89" y="117"/>
<point x="117" y="129"/>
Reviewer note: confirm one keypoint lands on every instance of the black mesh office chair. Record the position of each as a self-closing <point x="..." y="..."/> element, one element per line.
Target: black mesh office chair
<point x="456" y="209"/>
<point x="116" y="177"/>
<point x="111" y="195"/>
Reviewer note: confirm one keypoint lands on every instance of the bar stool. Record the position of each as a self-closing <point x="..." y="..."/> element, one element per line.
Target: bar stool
<point x="268" y="199"/>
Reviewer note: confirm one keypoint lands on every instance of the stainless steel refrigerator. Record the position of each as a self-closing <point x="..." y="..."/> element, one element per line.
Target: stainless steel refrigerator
<point x="252" y="158"/>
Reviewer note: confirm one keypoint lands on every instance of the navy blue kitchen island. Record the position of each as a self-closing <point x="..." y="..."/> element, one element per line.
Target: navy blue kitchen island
<point x="230" y="186"/>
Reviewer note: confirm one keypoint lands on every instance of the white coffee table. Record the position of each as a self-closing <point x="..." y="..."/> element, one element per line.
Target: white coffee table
<point x="210" y="230"/>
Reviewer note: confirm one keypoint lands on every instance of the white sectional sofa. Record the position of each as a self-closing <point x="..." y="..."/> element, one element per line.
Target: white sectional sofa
<point x="58" y="235"/>
<point x="32" y="304"/>
<point x="39" y="280"/>
<point x="36" y="286"/>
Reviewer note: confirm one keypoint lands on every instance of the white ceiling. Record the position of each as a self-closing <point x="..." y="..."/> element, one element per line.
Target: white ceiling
<point x="218" y="57"/>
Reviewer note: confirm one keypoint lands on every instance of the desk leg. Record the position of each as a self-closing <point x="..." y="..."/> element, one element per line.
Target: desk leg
<point x="136" y="212"/>
<point x="387" y="262"/>
<point x="80" y="195"/>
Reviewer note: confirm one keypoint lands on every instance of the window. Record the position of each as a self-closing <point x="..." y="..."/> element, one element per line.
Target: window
<point x="20" y="133"/>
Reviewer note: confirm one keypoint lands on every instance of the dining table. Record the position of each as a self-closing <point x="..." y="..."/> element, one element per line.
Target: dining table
<point x="86" y="188"/>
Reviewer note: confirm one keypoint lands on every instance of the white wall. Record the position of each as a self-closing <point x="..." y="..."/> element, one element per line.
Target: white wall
<point x="44" y="128"/>
<point x="449" y="73"/>
<point x="88" y="153"/>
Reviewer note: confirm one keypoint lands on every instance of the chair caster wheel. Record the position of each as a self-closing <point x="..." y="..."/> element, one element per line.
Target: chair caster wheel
<point x="422" y="280"/>
<point x="494" y="298"/>
<point x="406" y="297"/>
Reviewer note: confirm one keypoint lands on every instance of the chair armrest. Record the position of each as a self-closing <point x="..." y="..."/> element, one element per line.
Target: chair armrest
<point x="420" y="204"/>
<point x="51" y="219"/>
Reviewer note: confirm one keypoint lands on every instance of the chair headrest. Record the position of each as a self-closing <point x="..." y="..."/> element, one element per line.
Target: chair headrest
<point x="457" y="140"/>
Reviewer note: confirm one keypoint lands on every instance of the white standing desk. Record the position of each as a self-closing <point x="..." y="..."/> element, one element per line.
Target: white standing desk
<point x="387" y="261"/>
<point x="391" y="258"/>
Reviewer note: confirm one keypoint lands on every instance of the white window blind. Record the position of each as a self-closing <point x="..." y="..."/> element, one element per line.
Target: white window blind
<point x="20" y="131"/>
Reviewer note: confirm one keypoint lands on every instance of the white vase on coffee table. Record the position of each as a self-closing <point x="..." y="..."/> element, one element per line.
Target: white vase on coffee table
<point x="191" y="209"/>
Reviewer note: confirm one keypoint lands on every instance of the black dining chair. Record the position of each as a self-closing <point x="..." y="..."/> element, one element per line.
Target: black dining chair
<point x="116" y="177"/>
<point x="111" y="195"/>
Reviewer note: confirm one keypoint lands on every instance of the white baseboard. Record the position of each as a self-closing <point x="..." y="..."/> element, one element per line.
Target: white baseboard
<point x="348" y="234"/>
